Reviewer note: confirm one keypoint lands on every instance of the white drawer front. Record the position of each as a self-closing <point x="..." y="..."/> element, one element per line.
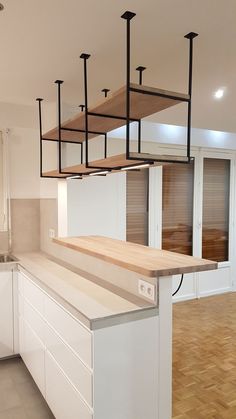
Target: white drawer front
<point x="61" y="396"/>
<point x="75" y="335"/>
<point x="35" y="321"/>
<point x="34" y="295"/>
<point x="33" y="356"/>
<point x="75" y="370"/>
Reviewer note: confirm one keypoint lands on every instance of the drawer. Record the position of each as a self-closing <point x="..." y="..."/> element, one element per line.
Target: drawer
<point x="71" y="331"/>
<point x="34" y="295"/>
<point x="71" y="365"/>
<point x="35" y="321"/>
<point x="33" y="356"/>
<point x="61" y="396"/>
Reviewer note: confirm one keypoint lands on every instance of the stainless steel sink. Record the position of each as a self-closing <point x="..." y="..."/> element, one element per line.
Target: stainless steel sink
<point x="7" y="258"/>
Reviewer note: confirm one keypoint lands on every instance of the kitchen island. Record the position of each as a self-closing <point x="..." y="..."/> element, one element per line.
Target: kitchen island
<point x="95" y="326"/>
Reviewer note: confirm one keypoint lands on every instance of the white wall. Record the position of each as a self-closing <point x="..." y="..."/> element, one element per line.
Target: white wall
<point x="97" y="205"/>
<point x="20" y="127"/>
<point x="23" y="163"/>
<point x="176" y="135"/>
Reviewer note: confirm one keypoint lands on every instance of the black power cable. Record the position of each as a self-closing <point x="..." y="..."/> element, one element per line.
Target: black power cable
<point x="180" y="285"/>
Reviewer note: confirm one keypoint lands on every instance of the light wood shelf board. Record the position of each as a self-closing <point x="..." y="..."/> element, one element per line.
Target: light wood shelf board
<point x="55" y="173"/>
<point x="141" y="259"/>
<point x="162" y="157"/>
<point x="110" y="162"/>
<point x="142" y="105"/>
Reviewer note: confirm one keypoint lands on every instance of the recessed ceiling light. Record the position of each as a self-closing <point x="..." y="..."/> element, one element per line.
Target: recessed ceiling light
<point x="219" y="93"/>
<point x="1" y="7"/>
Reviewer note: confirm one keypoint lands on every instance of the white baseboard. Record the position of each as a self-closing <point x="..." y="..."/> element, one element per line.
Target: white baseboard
<point x="183" y="298"/>
<point x="203" y="294"/>
<point x="216" y="292"/>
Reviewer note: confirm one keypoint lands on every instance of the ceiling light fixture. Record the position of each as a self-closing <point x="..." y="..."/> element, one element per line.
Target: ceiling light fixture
<point x="1" y="7"/>
<point x="138" y="166"/>
<point x="219" y="93"/>
<point x="104" y="172"/>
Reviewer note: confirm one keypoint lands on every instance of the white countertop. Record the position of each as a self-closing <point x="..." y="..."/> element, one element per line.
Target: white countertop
<point x="93" y="304"/>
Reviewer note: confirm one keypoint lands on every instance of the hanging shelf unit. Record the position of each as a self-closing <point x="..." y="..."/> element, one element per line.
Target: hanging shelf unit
<point x="129" y="104"/>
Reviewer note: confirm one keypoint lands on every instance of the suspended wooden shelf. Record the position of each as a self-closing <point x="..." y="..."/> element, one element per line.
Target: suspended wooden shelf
<point x="115" y="163"/>
<point x="143" y="102"/>
<point x="131" y="103"/>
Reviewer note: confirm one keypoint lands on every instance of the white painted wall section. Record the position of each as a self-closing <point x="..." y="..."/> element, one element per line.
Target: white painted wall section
<point x="97" y="205"/>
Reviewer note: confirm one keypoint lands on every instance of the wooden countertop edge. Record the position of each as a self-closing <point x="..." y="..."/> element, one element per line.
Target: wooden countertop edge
<point x="138" y="269"/>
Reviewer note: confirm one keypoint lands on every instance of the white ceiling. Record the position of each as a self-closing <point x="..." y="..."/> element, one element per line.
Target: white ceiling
<point x="41" y="41"/>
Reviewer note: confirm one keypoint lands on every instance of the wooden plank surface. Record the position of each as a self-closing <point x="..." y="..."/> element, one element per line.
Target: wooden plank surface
<point x="109" y="162"/>
<point x="113" y="161"/>
<point x="137" y="258"/>
<point x="142" y="105"/>
<point x="55" y="173"/>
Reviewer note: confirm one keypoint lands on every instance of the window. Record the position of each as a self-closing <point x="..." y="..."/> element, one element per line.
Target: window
<point x="177" y="207"/>
<point x="137" y="206"/>
<point x="215" y="229"/>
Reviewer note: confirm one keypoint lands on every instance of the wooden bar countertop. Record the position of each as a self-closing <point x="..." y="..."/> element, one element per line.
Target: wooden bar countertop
<point x="141" y="259"/>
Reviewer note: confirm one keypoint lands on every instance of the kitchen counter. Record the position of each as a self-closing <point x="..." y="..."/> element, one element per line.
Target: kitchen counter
<point x="94" y="305"/>
<point x="83" y="325"/>
<point x="141" y="259"/>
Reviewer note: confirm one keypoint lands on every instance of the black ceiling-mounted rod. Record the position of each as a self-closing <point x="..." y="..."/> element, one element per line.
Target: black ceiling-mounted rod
<point x="59" y="82"/>
<point x="190" y="36"/>
<point x="105" y="146"/>
<point x="81" y="155"/>
<point x="105" y="91"/>
<point x="140" y="69"/>
<point x="139" y="136"/>
<point x="39" y="100"/>
<point x="128" y="16"/>
<point x="85" y="57"/>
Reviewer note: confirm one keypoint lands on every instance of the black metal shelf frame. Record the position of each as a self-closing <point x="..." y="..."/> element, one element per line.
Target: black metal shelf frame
<point x="128" y="16"/>
<point x="59" y="141"/>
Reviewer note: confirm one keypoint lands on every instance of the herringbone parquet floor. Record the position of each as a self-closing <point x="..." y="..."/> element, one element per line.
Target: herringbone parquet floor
<point x="204" y="358"/>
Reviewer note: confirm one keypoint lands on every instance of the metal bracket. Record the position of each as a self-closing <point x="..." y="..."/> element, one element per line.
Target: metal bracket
<point x="140" y="69"/>
<point x="105" y="91"/>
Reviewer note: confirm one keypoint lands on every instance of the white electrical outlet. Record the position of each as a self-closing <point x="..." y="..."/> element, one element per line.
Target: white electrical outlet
<point x="146" y="289"/>
<point x="51" y="233"/>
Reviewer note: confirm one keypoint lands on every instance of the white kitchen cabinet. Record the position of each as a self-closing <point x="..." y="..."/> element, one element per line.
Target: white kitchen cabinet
<point x="61" y="396"/>
<point x="72" y="332"/>
<point x="79" y="375"/>
<point x="33" y="355"/>
<point x="6" y="313"/>
<point x="89" y="374"/>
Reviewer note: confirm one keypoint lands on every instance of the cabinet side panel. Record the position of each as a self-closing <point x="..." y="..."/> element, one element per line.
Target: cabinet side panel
<point x="6" y="314"/>
<point x="126" y="370"/>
